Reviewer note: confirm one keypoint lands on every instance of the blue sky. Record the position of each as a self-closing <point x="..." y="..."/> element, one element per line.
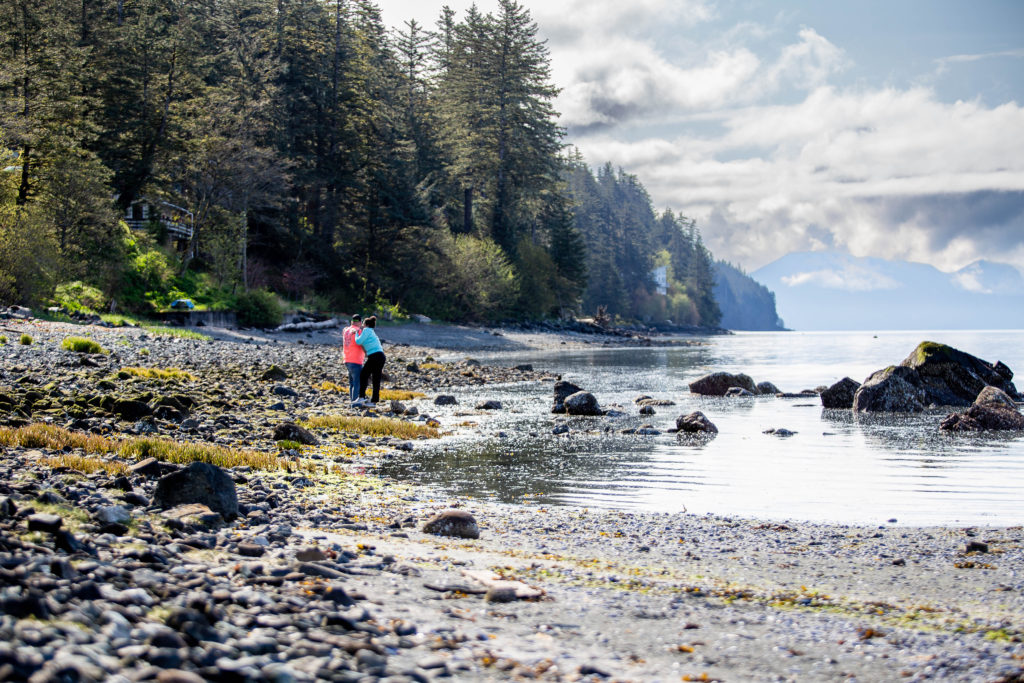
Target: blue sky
<point x="888" y="129"/>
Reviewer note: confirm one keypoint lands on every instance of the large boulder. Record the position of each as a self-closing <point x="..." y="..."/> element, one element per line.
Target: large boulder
<point x="840" y="394"/>
<point x="695" y="423"/>
<point x="767" y="389"/>
<point x="951" y="377"/>
<point x="719" y="383"/>
<point x="200" y="483"/>
<point x="896" y="389"/>
<point x="992" y="410"/>
<point x="563" y="390"/>
<point x="582" y="403"/>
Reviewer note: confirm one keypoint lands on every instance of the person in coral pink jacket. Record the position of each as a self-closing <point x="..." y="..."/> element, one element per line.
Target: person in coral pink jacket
<point x="354" y="356"/>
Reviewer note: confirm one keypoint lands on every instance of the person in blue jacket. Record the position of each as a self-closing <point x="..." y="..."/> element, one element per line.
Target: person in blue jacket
<point x="373" y="367"/>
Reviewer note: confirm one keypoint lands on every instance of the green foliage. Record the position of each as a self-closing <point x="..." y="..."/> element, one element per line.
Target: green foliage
<point x="82" y="345"/>
<point x="25" y="340"/>
<point x="258" y="308"/>
<point x="482" y="282"/>
<point x="78" y="296"/>
<point x="3" y="339"/>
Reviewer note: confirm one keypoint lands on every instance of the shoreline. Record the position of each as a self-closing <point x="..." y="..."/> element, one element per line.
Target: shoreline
<point x="626" y="596"/>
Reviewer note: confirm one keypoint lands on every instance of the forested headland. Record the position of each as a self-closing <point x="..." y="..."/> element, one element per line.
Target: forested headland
<point x="244" y="152"/>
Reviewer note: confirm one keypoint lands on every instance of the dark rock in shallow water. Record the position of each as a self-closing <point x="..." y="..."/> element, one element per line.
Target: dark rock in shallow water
<point x="718" y="383"/>
<point x="695" y="422"/>
<point x="198" y="483"/>
<point x="993" y="410"/>
<point x="767" y="389"/>
<point x="582" y="403"/>
<point x="289" y="431"/>
<point x="489" y="405"/>
<point x="738" y="392"/>
<point x="841" y="394"/>
<point x="445" y="400"/>
<point x="896" y="389"/>
<point x="563" y="390"/>
<point x="952" y="377"/>
<point x="457" y="523"/>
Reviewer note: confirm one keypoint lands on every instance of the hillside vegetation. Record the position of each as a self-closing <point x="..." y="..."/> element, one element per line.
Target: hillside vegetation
<point x="305" y="150"/>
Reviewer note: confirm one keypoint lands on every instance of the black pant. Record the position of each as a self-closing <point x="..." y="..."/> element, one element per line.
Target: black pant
<point x="372" y="367"/>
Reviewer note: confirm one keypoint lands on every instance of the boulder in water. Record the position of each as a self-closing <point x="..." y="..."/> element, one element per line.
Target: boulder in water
<point x="952" y="377"/>
<point x="582" y="403"/>
<point x="695" y="423"/>
<point x="896" y="389"/>
<point x="840" y="394"/>
<point x="563" y="390"/>
<point x="719" y="383"/>
<point x="992" y="410"/>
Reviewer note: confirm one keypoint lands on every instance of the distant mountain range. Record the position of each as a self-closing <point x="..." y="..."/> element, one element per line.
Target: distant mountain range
<point x="828" y="290"/>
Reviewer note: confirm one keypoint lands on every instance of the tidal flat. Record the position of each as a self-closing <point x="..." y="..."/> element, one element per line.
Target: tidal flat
<point x="326" y="574"/>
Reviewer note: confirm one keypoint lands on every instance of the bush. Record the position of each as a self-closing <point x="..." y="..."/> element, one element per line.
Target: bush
<point x="258" y="308"/>
<point x="78" y="296"/>
<point x="3" y="339"/>
<point x="25" y="340"/>
<point x="82" y="345"/>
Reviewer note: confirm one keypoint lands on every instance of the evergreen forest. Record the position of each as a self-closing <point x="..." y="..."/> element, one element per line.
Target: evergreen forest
<point x="253" y="153"/>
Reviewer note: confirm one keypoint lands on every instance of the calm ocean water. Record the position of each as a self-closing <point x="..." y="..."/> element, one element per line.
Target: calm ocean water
<point x="838" y="467"/>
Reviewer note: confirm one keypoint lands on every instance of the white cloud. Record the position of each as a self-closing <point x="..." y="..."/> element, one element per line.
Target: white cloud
<point x="850" y="279"/>
<point x="877" y="172"/>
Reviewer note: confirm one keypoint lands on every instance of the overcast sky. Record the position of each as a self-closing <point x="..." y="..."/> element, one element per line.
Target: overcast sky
<point x="888" y="128"/>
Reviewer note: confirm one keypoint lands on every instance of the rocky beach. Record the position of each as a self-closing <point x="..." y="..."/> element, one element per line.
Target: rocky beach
<point x="205" y="507"/>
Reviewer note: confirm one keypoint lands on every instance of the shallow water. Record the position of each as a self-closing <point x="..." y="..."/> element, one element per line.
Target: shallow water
<point x="838" y="466"/>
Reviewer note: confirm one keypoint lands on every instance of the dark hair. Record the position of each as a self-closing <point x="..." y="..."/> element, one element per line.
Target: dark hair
<point x="371" y="321"/>
<point x="356" y="318"/>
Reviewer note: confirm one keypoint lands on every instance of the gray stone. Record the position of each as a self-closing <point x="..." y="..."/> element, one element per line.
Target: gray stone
<point x="457" y="523"/>
<point x="767" y="389"/>
<point x="446" y="400"/>
<point x="198" y="483"/>
<point x="46" y="523"/>
<point x="274" y="374"/>
<point x="114" y="514"/>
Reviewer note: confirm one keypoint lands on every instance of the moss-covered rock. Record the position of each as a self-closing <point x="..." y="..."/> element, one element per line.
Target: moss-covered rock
<point x="952" y="377"/>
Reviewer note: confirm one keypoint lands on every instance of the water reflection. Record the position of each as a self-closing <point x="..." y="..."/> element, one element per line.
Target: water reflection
<point x="838" y="466"/>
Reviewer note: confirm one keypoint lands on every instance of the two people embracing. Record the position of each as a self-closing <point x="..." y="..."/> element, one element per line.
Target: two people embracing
<point x="364" y="358"/>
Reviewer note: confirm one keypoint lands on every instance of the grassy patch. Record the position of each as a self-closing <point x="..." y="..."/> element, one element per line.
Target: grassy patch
<point x="25" y="340"/>
<point x="286" y="445"/>
<point x="3" y="339"/>
<point x="86" y="464"/>
<point x="399" y="395"/>
<point x="82" y="345"/>
<point x="431" y="366"/>
<point x="373" y="426"/>
<point x="179" y="332"/>
<point x="174" y="374"/>
<point x="57" y="438"/>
